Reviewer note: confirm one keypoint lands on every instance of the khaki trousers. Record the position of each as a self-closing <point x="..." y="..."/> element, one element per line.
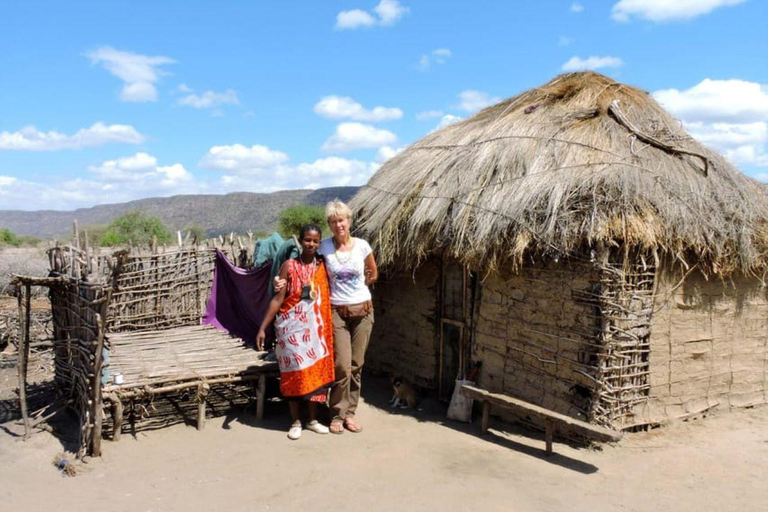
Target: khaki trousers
<point x="350" y="341"/>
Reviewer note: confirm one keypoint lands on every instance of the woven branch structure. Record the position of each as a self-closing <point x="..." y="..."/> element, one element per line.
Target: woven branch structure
<point x="128" y="343"/>
<point x="606" y="264"/>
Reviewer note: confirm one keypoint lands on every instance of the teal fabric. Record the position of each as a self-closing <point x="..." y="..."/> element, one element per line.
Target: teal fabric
<point x="266" y="249"/>
<point x="289" y="249"/>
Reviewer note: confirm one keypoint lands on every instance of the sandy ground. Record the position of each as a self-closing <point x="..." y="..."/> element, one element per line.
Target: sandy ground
<point x="402" y="461"/>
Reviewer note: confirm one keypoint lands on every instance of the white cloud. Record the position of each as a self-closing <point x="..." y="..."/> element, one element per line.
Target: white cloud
<point x="182" y="88"/>
<point x="446" y="120"/>
<point x="354" y="19"/>
<point x="576" y="7"/>
<point x="593" y="62"/>
<point x="254" y="169"/>
<point x="139" y="72"/>
<point x="139" y="171"/>
<point x="429" y="114"/>
<point x="386" y="152"/>
<point x="731" y="116"/>
<point x="666" y="10"/>
<point x="351" y="136"/>
<point x="335" y="171"/>
<point x="113" y="181"/>
<point x="388" y="12"/>
<point x="239" y="158"/>
<point x="210" y="99"/>
<point x="472" y="100"/>
<point x="30" y="139"/>
<point x="342" y="107"/>
<point x="564" y="41"/>
<point x="439" y="56"/>
<point x="717" y="100"/>
<point x="332" y="171"/>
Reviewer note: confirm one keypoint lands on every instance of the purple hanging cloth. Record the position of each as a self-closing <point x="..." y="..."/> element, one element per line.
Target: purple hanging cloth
<point x="239" y="299"/>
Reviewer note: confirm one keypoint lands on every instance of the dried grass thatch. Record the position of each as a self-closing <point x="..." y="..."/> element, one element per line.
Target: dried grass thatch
<point x="578" y="161"/>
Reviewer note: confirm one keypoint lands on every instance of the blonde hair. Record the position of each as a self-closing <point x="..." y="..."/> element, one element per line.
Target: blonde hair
<point x="337" y="208"/>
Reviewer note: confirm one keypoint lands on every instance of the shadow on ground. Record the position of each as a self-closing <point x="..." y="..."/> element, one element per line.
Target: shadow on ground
<point x="377" y="392"/>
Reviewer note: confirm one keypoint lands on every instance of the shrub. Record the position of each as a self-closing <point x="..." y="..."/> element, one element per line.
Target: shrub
<point x="136" y="227"/>
<point x="8" y="237"/>
<point x="291" y="219"/>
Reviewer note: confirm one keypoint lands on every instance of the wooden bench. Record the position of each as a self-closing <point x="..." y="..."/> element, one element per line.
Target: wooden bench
<point x="552" y="420"/>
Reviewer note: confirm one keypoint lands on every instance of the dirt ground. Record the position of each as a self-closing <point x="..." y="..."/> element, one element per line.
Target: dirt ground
<point x="402" y="461"/>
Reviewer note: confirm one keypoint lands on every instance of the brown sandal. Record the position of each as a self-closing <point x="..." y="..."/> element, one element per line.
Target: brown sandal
<point x="353" y="426"/>
<point x="336" y="426"/>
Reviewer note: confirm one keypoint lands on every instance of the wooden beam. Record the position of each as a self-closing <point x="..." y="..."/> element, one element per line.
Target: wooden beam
<point x="588" y="430"/>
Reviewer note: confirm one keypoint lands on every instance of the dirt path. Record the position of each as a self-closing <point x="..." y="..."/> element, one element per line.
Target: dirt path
<point x="399" y="463"/>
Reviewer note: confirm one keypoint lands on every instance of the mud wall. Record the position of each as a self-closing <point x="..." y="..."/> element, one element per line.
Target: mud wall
<point x="404" y="339"/>
<point x="708" y="346"/>
<point x="536" y="333"/>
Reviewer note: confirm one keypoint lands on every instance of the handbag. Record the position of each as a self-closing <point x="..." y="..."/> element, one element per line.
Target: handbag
<point x="354" y="311"/>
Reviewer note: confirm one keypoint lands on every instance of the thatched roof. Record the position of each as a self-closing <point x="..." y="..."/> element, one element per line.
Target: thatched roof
<point x="580" y="160"/>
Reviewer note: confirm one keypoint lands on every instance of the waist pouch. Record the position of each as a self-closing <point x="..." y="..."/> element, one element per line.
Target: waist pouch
<point x="354" y="311"/>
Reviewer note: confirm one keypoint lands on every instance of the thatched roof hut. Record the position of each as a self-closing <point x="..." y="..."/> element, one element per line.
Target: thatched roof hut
<point x="578" y="242"/>
<point x="581" y="159"/>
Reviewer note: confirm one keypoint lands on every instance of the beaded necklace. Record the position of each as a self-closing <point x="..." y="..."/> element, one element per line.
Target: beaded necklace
<point x="348" y="253"/>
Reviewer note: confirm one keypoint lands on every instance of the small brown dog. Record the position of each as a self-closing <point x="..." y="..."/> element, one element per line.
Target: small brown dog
<point x="405" y="393"/>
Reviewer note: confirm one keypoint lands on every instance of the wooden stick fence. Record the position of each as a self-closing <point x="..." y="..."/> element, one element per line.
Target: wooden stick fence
<point x="136" y="313"/>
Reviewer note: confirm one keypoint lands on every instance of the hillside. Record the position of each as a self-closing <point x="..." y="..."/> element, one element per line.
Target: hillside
<point x="218" y="214"/>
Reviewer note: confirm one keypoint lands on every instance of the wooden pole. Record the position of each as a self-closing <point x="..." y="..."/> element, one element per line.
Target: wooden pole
<point x="260" y="397"/>
<point x="486" y="417"/>
<point x="23" y="298"/>
<point x="202" y="394"/>
<point x="549" y="434"/>
<point x="97" y="412"/>
<point x="117" y="413"/>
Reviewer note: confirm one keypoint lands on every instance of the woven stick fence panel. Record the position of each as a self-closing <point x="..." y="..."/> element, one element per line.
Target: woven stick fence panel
<point x="626" y="304"/>
<point x="93" y="293"/>
<point x="159" y="291"/>
<point x="150" y="412"/>
<point x="78" y="311"/>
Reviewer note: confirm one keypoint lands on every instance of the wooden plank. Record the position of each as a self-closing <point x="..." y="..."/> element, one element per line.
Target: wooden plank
<point x="516" y="405"/>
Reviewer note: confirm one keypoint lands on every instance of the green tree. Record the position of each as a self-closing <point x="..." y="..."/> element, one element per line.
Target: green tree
<point x="291" y="219"/>
<point x="136" y="227"/>
<point x="8" y="237"/>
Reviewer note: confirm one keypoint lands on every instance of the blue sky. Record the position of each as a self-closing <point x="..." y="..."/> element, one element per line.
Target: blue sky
<point x="104" y="102"/>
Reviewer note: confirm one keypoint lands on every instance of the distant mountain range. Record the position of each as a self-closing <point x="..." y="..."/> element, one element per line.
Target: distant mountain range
<point x="218" y="214"/>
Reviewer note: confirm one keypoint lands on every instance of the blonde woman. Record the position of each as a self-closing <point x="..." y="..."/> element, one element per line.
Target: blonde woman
<point x="351" y="269"/>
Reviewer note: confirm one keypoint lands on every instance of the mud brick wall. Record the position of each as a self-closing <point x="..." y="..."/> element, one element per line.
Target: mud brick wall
<point x="536" y="337"/>
<point x="404" y="339"/>
<point x="709" y="342"/>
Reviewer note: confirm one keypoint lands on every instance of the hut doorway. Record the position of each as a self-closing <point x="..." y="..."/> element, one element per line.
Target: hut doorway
<point x="457" y="286"/>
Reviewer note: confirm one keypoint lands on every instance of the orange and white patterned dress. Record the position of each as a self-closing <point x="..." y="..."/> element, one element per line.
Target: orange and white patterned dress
<point x="304" y="329"/>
